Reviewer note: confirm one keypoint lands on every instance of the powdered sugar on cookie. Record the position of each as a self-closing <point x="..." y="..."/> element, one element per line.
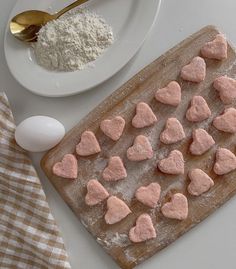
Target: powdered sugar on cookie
<point x="215" y="49"/>
<point x="96" y="193"/>
<point x="225" y="161"/>
<point x="144" y="116"/>
<point x="227" y="121"/>
<point x="113" y="128"/>
<point x="227" y="89"/>
<point x="116" y="210"/>
<point x="200" y="182"/>
<point x="177" y="208"/>
<point x="67" y="168"/>
<point x="202" y="142"/>
<point x="195" y="71"/>
<point x="173" y="132"/>
<point x="141" y="149"/>
<point x="88" y="144"/>
<point x="149" y="195"/>
<point x="199" y="110"/>
<point x="115" y="169"/>
<point x="173" y="164"/>
<point x="170" y="95"/>
<point x="144" y="229"/>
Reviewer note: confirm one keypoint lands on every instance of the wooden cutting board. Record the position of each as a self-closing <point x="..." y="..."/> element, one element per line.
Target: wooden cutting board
<point x="113" y="238"/>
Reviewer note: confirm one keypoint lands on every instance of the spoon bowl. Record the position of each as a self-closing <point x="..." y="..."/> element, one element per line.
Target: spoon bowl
<point x="26" y="25"/>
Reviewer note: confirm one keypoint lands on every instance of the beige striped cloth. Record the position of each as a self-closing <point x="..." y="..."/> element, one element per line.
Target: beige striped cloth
<point x="29" y="236"/>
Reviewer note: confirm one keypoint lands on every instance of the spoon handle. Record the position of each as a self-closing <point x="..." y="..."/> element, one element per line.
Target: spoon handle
<point x="71" y="6"/>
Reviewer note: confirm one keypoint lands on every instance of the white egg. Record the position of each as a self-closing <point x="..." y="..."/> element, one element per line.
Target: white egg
<point x="39" y="133"/>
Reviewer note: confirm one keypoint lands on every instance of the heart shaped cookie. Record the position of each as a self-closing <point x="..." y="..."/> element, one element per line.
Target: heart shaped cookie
<point x="198" y="110"/>
<point x="195" y="71"/>
<point x="96" y="193"/>
<point x="177" y="208"/>
<point x="200" y="182"/>
<point x="144" y="116"/>
<point x="144" y="229"/>
<point x="88" y="144"/>
<point x="141" y="149"/>
<point x="149" y="195"/>
<point x="116" y="210"/>
<point x="169" y="95"/>
<point x="227" y="121"/>
<point x="173" y="164"/>
<point x="225" y="161"/>
<point x="227" y="89"/>
<point x="173" y="132"/>
<point x="67" y="168"/>
<point x="115" y="170"/>
<point x="216" y="49"/>
<point x="113" y="128"/>
<point x="202" y="142"/>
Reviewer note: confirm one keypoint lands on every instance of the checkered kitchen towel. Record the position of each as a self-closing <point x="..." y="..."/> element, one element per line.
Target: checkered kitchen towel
<point x="29" y="237"/>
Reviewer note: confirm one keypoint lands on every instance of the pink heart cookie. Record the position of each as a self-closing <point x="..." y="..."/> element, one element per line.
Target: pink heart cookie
<point x="227" y="89"/>
<point x="202" y="142"/>
<point x="177" y="208"/>
<point x="144" y="229"/>
<point x="173" y="132"/>
<point x="116" y="210"/>
<point x="169" y="95"/>
<point x="144" y="116"/>
<point x="141" y="149"/>
<point x="113" y="128"/>
<point x="88" y="144"/>
<point x="200" y="182"/>
<point x="149" y="195"/>
<point x="216" y="49"/>
<point x="96" y="193"/>
<point x="227" y="121"/>
<point x="67" y="168"/>
<point x="115" y="170"/>
<point x="173" y="164"/>
<point x="195" y="71"/>
<point x="225" y="161"/>
<point x="198" y="110"/>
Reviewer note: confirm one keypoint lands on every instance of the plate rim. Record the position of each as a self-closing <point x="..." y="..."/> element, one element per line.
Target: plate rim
<point x="75" y="92"/>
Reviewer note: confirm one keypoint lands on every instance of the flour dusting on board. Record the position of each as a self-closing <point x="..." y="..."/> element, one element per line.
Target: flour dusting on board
<point x="114" y="238"/>
<point x="129" y="256"/>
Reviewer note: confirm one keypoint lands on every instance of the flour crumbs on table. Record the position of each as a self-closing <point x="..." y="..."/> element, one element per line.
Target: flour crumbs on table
<point x="73" y="41"/>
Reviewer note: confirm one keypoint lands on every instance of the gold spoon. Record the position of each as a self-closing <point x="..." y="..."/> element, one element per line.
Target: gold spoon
<point x="26" y="25"/>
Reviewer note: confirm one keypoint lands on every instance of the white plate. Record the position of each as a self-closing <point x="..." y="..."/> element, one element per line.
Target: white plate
<point x="131" y="21"/>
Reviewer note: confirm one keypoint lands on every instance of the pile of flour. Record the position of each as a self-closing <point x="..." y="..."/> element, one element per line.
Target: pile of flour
<point x="72" y="41"/>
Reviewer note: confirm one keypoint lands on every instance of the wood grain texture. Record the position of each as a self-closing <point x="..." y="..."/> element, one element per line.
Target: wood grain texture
<point x="113" y="238"/>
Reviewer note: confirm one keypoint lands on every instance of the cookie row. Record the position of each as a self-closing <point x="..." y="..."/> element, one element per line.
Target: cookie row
<point x="173" y="164"/>
<point x="142" y="149"/>
<point x="197" y="112"/>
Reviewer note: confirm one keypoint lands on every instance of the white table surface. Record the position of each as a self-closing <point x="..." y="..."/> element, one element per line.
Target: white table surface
<point x="212" y="243"/>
